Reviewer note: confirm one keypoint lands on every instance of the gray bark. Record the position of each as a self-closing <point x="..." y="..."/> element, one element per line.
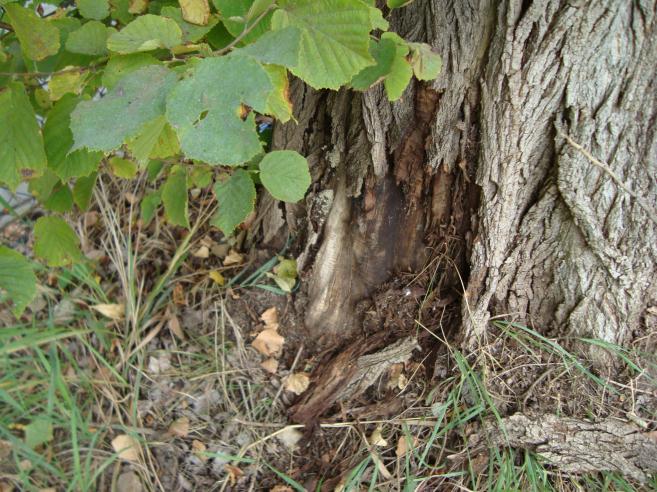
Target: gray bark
<point x="553" y="238"/>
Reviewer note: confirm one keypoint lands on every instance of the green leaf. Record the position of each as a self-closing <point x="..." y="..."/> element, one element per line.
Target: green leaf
<point x="42" y="186"/>
<point x="39" y="38"/>
<point x="236" y="197"/>
<point x="123" y="168"/>
<point x="83" y="190"/>
<point x="56" y="242"/>
<point x="334" y="40"/>
<point x="149" y="205"/>
<point x="278" y="103"/>
<point x="156" y="139"/>
<point x="90" y="39"/>
<point x="145" y="33"/>
<point x="17" y="279"/>
<point x="205" y="109"/>
<point x="153" y="170"/>
<point x="401" y="72"/>
<point x="190" y="32"/>
<point x="285" y="175"/>
<point x="201" y="175"/>
<point x="395" y="4"/>
<point x="93" y="9"/>
<point x="426" y="64"/>
<point x="384" y="53"/>
<point x="61" y="199"/>
<point x="119" y="66"/>
<point x="59" y="141"/>
<point x="376" y="17"/>
<point x="174" y="197"/>
<point x="38" y="432"/>
<point x="285" y="274"/>
<point x="232" y="10"/>
<point x="136" y="99"/>
<point x="278" y="47"/>
<point x="21" y="144"/>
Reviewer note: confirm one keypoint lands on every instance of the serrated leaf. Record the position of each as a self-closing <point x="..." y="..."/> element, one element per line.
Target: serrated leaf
<point x="376" y="17"/>
<point x="334" y="40"/>
<point x="278" y="103"/>
<point x="121" y="11"/>
<point x="21" y="144"/>
<point x="42" y="186"/>
<point x="426" y="64"/>
<point x="60" y="200"/>
<point x="401" y="72"/>
<point x="201" y="175"/>
<point x="123" y="168"/>
<point x="278" y="47"/>
<point x="37" y="432"/>
<point x="257" y="8"/>
<point x="145" y="33"/>
<point x="285" y="175"/>
<point x="191" y="33"/>
<point x="149" y="205"/>
<point x="39" y="38"/>
<point x="93" y="9"/>
<point x="174" y="197"/>
<point x="384" y="53"/>
<point x="136" y="99"/>
<point x="195" y="11"/>
<point x="90" y="39"/>
<point x="205" y="109"/>
<point x="119" y="66"/>
<point x="83" y="190"/>
<point x="17" y="279"/>
<point x="234" y="14"/>
<point x="55" y="241"/>
<point x="59" y="141"/>
<point x="137" y="6"/>
<point x="236" y="198"/>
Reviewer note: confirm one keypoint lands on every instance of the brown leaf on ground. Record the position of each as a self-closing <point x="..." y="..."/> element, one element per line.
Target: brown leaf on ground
<point x="297" y="383"/>
<point x="203" y="252"/>
<point x="114" y="312"/>
<point x="270" y="365"/>
<point x="198" y="448"/>
<point x="179" y="295"/>
<point x="233" y="258"/>
<point x="234" y="473"/>
<point x="127" y="447"/>
<point x="174" y="326"/>
<point x="269" y="343"/>
<point x="179" y="427"/>
<point x="270" y="318"/>
<point x="129" y="482"/>
<point x="281" y="488"/>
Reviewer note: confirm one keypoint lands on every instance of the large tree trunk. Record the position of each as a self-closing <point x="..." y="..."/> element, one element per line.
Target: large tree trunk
<point x="529" y="163"/>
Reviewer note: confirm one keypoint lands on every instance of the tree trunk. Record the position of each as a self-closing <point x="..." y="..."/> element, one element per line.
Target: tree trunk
<point x="529" y="165"/>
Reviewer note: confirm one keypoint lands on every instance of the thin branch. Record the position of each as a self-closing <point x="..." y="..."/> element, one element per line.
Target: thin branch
<point x="606" y="168"/>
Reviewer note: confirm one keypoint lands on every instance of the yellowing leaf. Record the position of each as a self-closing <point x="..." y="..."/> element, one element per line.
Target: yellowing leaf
<point x="138" y="6"/>
<point x="64" y="83"/>
<point x="123" y="168"/>
<point x="217" y="277"/>
<point x="297" y="383"/>
<point x="39" y="38"/>
<point x="115" y="312"/>
<point x="269" y="343"/>
<point x="127" y="447"/>
<point x="195" y="11"/>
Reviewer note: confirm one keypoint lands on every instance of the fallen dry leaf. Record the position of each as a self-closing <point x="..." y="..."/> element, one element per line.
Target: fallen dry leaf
<point x="233" y="258"/>
<point x="269" y="343"/>
<point x="281" y="488"/>
<point x="129" y="482"/>
<point x="127" y="447"/>
<point x="290" y="437"/>
<point x="174" y="326"/>
<point x="376" y="439"/>
<point x="198" y="448"/>
<point x="6" y="487"/>
<point x="233" y="473"/>
<point x="402" y="447"/>
<point x="179" y="295"/>
<point x="297" y="383"/>
<point x="203" y="252"/>
<point x="270" y="365"/>
<point x="217" y="278"/>
<point x="179" y="427"/>
<point x="115" y="312"/>
<point x="270" y="318"/>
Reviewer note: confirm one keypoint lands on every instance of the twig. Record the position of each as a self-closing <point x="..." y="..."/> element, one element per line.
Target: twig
<point x="606" y="168"/>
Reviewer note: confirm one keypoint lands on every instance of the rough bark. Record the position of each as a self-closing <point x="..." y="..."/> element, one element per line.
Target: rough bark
<point x="486" y="158"/>
<point x="578" y="446"/>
